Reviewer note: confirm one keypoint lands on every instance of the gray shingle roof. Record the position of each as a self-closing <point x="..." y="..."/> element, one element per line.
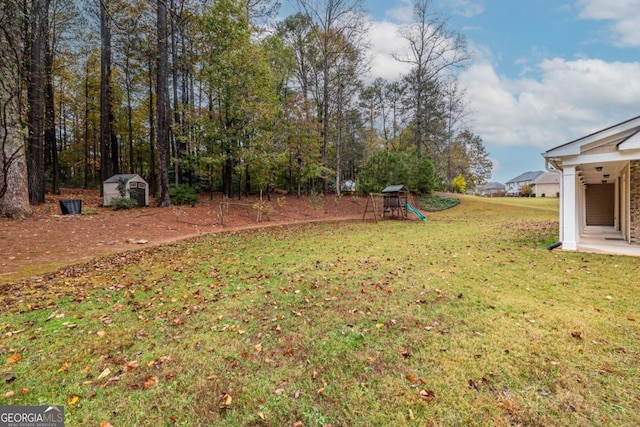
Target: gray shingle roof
<point x="526" y="177"/>
<point x="125" y="176"/>
<point x="493" y="186"/>
<point x="394" y="188"/>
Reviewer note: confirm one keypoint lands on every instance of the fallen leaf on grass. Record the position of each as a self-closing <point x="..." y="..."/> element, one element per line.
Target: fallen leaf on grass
<point x="414" y="381"/>
<point x="64" y="367"/>
<point x="9" y="394"/>
<point x="131" y="366"/>
<point x="111" y="380"/>
<point x="427" y="395"/>
<point x="73" y="400"/>
<point x="105" y="424"/>
<point x="157" y="363"/>
<point x="225" y="400"/>
<point x="104" y="374"/>
<point x="15" y="357"/>
<point x="150" y="381"/>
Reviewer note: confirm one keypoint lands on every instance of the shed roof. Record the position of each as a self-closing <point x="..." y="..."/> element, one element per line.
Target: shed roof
<point x="118" y="177"/>
<point x="394" y="189"/>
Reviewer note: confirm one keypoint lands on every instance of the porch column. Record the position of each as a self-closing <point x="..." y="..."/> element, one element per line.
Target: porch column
<point x="568" y="209"/>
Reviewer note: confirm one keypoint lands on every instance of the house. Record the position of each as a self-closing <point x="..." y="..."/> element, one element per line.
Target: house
<point x="130" y="186"/>
<point x="493" y="189"/>
<point x="547" y="185"/>
<point x="514" y="186"/>
<point x="600" y="187"/>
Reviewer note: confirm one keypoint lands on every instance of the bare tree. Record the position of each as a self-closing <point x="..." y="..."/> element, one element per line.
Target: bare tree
<point x="434" y="49"/>
<point x="339" y="25"/>
<point x="14" y="192"/>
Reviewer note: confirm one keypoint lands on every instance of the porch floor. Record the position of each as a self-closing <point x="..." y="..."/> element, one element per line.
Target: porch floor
<point x="606" y="240"/>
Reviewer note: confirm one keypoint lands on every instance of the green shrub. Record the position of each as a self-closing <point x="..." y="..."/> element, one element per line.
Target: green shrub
<point x="384" y="168"/>
<point x="435" y="203"/>
<point x="183" y="195"/>
<point x="118" y="203"/>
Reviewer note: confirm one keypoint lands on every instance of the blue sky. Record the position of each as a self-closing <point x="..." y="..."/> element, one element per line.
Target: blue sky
<point x="543" y="72"/>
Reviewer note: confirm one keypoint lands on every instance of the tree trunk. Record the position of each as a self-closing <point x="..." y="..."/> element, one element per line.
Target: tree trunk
<point x="177" y="124"/>
<point x="86" y="128"/>
<point x="339" y="138"/>
<point x="50" y="142"/>
<point x="325" y="118"/>
<point x="35" y="96"/>
<point x="105" y="82"/>
<point x="14" y="189"/>
<point x="227" y="178"/>
<point x="162" y="101"/>
<point x="153" y="182"/>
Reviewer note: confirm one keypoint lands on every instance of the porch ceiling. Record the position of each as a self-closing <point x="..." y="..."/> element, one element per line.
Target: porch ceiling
<point x="592" y="174"/>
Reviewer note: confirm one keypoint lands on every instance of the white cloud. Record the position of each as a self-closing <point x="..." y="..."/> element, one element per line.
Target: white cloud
<point x="385" y="41"/>
<point x="401" y="13"/>
<point x="623" y="15"/>
<point x="569" y="100"/>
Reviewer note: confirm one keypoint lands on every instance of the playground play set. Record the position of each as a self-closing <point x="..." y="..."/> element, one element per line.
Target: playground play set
<point x="393" y="201"/>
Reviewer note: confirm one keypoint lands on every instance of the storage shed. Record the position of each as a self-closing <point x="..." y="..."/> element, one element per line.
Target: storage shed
<point x="135" y="187"/>
<point x="395" y="201"/>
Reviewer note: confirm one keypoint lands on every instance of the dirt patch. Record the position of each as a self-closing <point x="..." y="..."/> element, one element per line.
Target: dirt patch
<point x="48" y="240"/>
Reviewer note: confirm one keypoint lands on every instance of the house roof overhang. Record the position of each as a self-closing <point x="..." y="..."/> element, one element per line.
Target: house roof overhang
<point x="598" y="157"/>
<point x="617" y="133"/>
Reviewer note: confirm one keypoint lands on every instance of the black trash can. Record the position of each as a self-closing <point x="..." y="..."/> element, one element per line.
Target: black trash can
<point x="73" y="206"/>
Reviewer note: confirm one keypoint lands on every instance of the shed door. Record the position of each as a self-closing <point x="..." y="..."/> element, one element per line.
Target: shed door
<point x="600" y="201"/>
<point x="137" y="193"/>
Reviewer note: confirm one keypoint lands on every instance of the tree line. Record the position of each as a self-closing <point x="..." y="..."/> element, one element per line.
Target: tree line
<point x="222" y="96"/>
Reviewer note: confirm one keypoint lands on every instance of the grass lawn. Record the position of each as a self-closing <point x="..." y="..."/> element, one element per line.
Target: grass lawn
<point x="466" y="319"/>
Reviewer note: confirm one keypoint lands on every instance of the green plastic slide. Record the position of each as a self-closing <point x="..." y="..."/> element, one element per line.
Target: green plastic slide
<point x="416" y="212"/>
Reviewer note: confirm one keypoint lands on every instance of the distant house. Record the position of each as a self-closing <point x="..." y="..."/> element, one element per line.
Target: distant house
<point x="493" y="189"/>
<point x="514" y="186"/>
<point x="547" y="185"/>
